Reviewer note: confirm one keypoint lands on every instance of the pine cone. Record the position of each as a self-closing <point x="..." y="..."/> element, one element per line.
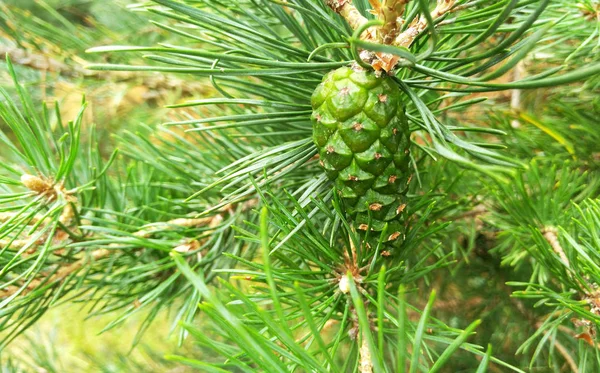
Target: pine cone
<point x="362" y="134"/>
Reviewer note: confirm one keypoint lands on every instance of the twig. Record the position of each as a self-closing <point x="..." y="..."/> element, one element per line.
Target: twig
<point x="592" y="298"/>
<point x="588" y="336"/>
<point x="179" y="223"/>
<point x="533" y="322"/>
<point x="366" y="360"/>
<point x="561" y="350"/>
<point x="536" y="325"/>
<point x="391" y="12"/>
<point x="550" y="234"/>
<point x="592" y="13"/>
<point x="37" y="61"/>
<point x="406" y="38"/>
<point x="97" y="254"/>
<point x="19" y="244"/>
<point x="515" y="95"/>
<point x="58" y="276"/>
<point x="386" y="61"/>
<point x="459" y="304"/>
<point x="349" y="12"/>
<point x="565" y="354"/>
<point x="51" y="191"/>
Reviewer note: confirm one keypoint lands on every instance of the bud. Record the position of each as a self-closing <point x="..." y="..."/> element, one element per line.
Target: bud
<point x="36" y="183"/>
<point x="344" y="284"/>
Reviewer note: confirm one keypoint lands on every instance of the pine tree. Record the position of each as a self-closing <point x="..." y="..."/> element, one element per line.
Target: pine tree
<point x="327" y="170"/>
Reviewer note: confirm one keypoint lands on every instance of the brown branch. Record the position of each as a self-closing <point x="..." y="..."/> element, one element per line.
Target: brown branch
<point x="592" y="298"/>
<point x="564" y="352"/>
<point x="19" y="244"/>
<point x="537" y="324"/>
<point x="391" y="12"/>
<point x="349" y="12"/>
<point x="178" y="223"/>
<point x="406" y="38"/>
<point x="474" y="213"/>
<point x="588" y="336"/>
<point x="366" y="360"/>
<point x="551" y="235"/>
<point x="387" y="61"/>
<point x="51" y="191"/>
<point x="515" y="96"/>
<point x="459" y="304"/>
<point x="592" y="13"/>
<point x="58" y="276"/>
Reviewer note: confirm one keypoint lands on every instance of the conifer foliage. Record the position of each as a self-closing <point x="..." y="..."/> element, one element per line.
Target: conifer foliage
<point x="325" y="171"/>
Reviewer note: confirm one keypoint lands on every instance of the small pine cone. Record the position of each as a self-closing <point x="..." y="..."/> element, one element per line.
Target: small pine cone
<point x="363" y="137"/>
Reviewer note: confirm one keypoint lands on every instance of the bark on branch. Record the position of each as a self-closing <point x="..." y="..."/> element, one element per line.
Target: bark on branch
<point x="406" y="38"/>
<point x="390" y="12"/>
<point x="349" y="12"/>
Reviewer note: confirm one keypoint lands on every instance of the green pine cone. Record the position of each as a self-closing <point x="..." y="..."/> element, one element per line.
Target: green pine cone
<point x="362" y="134"/>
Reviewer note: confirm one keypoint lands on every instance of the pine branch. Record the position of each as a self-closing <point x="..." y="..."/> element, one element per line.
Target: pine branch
<point x="418" y="25"/>
<point x="391" y="12"/>
<point x="167" y="209"/>
<point x="65" y="271"/>
<point x="234" y="70"/>
<point x="57" y="277"/>
<point x="565" y="353"/>
<point x="75" y="215"/>
<point x="515" y="97"/>
<point x="551" y="235"/>
<point x="365" y="364"/>
<point x="355" y="20"/>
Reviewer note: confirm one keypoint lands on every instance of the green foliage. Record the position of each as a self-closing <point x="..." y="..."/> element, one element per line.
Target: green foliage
<point x="224" y="211"/>
<point x="248" y="45"/>
<point x="305" y="342"/>
<point x="49" y="237"/>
